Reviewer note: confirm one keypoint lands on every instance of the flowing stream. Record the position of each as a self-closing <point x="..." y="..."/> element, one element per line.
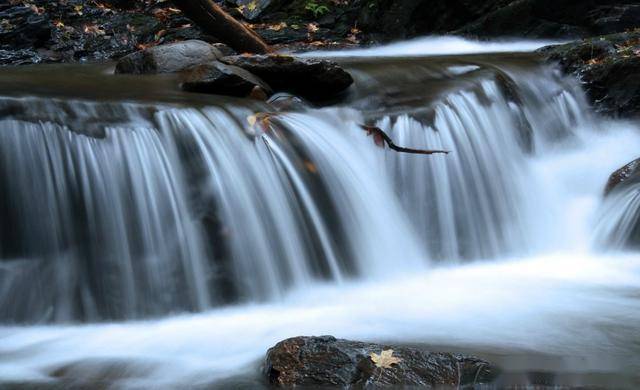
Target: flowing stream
<point x="150" y="238"/>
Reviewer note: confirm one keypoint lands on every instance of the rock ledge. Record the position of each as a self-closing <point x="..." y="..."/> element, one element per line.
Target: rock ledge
<point x="327" y="361"/>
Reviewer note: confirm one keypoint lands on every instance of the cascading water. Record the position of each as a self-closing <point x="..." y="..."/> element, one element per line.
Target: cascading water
<point x="298" y="223"/>
<point x="619" y="220"/>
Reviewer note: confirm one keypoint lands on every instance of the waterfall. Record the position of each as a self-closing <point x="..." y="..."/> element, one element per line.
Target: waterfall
<point x="117" y="211"/>
<point x="618" y="222"/>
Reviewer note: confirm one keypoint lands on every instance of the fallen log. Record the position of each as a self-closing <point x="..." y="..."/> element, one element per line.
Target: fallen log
<point x="215" y="21"/>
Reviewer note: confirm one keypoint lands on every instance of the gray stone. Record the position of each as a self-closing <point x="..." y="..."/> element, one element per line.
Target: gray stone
<point x="220" y="79"/>
<point x="170" y="58"/>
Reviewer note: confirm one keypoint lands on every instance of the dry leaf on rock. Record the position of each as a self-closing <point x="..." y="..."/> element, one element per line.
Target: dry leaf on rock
<point x="385" y="359"/>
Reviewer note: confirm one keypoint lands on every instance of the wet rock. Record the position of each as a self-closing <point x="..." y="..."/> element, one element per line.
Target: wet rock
<point x="283" y="35"/>
<point x="609" y="68"/>
<point x="614" y="18"/>
<point x="327" y="361"/>
<point x="286" y="102"/>
<point x="555" y="19"/>
<point x="310" y="78"/>
<point x="623" y="177"/>
<point x="224" y="49"/>
<point x="170" y="58"/>
<point x="77" y="30"/>
<point x="221" y="79"/>
<point x="396" y="19"/>
<point x="252" y="9"/>
<point x="24" y="27"/>
<point x="19" y="57"/>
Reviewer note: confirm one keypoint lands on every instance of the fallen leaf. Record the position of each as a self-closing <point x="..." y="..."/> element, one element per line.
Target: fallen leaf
<point x="311" y="167"/>
<point x="262" y="119"/>
<point x="385" y="359"/>
<point x="277" y="27"/>
<point x="93" y="29"/>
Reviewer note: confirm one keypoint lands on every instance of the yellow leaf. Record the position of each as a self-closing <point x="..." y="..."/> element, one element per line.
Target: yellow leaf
<point x="277" y="27"/>
<point x="385" y="359"/>
<point x="252" y="6"/>
<point x="252" y="119"/>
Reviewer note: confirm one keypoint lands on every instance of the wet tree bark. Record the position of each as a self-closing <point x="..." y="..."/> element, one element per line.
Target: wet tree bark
<point x="215" y="21"/>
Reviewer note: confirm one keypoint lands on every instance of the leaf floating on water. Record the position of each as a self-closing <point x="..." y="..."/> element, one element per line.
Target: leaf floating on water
<point x="311" y="167"/>
<point x="263" y="119"/>
<point x="385" y="359"/>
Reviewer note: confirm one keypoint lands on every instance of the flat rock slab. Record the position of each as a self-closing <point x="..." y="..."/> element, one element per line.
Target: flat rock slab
<point x="327" y="361"/>
<point x="312" y="79"/>
<point x="222" y="79"/>
<point x="170" y="58"/>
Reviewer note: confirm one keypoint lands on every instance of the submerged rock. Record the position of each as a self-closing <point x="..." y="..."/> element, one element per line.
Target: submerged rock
<point x="310" y="78"/>
<point x="609" y="67"/>
<point x="221" y="79"/>
<point x="620" y="222"/>
<point x="173" y="57"/>
<point x="327" y="361"/>
<point x="628" y="174"/>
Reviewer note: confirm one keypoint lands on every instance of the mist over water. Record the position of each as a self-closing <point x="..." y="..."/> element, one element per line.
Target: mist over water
<point x="173" y="246"/>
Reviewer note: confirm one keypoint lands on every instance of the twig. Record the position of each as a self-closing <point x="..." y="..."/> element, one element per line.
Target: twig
<point x="377" y="132"/>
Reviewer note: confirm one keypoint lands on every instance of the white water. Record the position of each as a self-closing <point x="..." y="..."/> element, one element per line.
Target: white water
<point x="336" y="236"/>
<point x="566" y="304"/>
<point x="436" y="46"/>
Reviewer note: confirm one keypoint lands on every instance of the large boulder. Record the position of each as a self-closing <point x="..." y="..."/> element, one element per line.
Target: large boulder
<point x="327" y="361"/>
<point x="170" y="58"/>
<point x="221" y="79"/>
<point x="310" y="78"/>
<point x="628" y="174"/>
<point x="608" y="66"/>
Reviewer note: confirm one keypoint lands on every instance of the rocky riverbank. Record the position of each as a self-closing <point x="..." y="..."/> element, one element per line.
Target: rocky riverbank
<point x="42" y="31"/>
<point x="608" y="67"/>
<point x="39" y="31"/>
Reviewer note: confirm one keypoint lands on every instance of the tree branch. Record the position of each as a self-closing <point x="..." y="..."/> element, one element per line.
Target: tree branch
<point x="380" y="137"/>
<point x="215" y="21"/>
